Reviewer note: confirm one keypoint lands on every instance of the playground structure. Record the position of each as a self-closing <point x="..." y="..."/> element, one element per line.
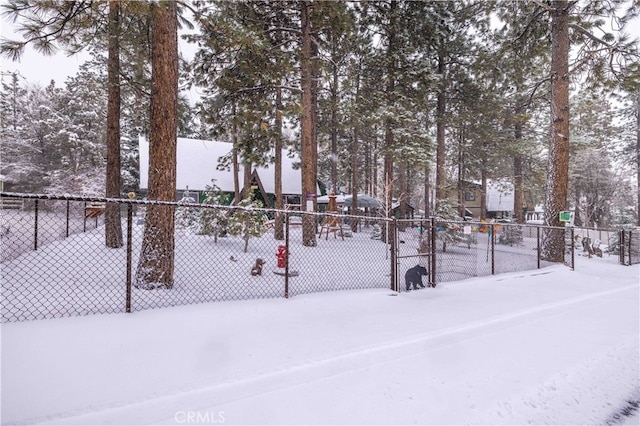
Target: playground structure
<point x="332" y="223"/>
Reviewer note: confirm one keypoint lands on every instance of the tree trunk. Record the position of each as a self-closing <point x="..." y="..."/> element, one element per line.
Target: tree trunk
<point x="577" y="216"/>
<point x="112" y="220"/>
<point x="368" y="182"/>
<point x="389" y="142"/>
<point x="334" y="130"/>
<point x="278" y="228"/>
<point x="517" y="189"/>
<point x="461" y="175"/>
<point x="558" y="165"/>
<point x="234" y="158"/>
<point x="308" y="150"/>
<point x="402" y="206"/>
<point x="156" y="265"/>
<point x="441" y="110"/>
<point x="483" y="194"/>
<point x="354" y="177"/>
<point x="518" y="193"/>
<point x="427" y="192"/>
<point x="355" y="122"/>
<point x="246" y="179"/>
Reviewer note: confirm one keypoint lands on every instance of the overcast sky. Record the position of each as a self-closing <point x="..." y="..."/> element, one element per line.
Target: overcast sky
<point x="38" y="68"/>
<point x="35" y="67"/>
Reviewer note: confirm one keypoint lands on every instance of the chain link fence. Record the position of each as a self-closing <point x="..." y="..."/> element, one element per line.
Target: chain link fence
<point x="628" y="246"/>
<point x="453" y="251"/>
<point x="56" y="263"/>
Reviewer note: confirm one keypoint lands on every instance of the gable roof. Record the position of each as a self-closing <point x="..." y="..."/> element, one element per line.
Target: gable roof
<point x="197" y="160"/>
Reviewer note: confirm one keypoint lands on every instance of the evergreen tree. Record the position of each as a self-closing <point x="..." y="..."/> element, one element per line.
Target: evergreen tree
<point x="592" y="177"/>
<point x="244" y="67"/>
<point x="213" y="221"/>
<point x="74" y="25"/>
<point x="448" y="232"/>
<point x="522" y="48"/>
<point x="83" y="104"/>
<point x="187" y="218"/>
<point x="15" y="154"/>
<point x="246" y="222"/>
<point x="629" y="115"/>
<point x="584" y="21"/>
<point x="33" y="153"/>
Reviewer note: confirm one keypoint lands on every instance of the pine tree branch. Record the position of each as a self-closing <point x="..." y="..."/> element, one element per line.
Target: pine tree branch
<point x="34" y="28"/>
<point x="533" y="20"/>
<point x="589" y="35"/>
<point x="544" y="6"/>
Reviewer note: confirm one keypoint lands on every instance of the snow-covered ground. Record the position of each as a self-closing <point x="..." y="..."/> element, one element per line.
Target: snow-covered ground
<point x="549" y="346"/>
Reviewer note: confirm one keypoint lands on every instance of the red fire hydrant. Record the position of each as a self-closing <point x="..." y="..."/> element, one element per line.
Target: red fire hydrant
<point x="282" y="256"/>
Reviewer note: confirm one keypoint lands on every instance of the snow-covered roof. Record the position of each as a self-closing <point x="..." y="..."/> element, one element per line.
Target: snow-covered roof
<point x="500" y="197"/>
<point x="197" y="161"/>
<point x="325" y="199"/>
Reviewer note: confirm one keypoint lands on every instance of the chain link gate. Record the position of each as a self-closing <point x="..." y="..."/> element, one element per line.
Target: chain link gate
<point x="414" y="259"/>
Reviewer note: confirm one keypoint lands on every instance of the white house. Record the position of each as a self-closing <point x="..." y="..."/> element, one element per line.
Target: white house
<point x="197" y="162"/>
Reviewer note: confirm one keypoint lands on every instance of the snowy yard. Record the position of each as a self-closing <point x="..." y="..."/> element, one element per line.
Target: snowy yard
<point x="550" y="346"/>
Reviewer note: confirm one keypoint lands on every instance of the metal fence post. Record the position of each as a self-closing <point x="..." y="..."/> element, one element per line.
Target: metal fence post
<point x="35" y="227"/>
<point x="67" y="232"/>
<point x="432" y="237"/>
<point x="630" y="240"/>
<point x="493" y="249"/>
<point x="129" y="265"/>
<point x="84" y="217"/>
<point x="286" y="262"/>
<point x="573" y="250"/>
<point x="538" y="244"/>
<point x="621" y="246"/>
<point x="393" y="244"/>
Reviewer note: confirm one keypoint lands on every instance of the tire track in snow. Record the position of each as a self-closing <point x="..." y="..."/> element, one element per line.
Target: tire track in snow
<point x="158" y="409"/>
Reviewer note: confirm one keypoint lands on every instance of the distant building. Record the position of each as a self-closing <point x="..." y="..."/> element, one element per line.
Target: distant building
<point x="197" y="165"/>
<point x="499" y="200"/>
<point x="470" y="192"/>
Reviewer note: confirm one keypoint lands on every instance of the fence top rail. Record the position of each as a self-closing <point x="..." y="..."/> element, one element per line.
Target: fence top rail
<point x="478" y="223"/>
<point x="133" y="201"/>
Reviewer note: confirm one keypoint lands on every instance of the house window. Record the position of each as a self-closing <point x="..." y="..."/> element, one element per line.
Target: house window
<point x="469" y="196"/>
